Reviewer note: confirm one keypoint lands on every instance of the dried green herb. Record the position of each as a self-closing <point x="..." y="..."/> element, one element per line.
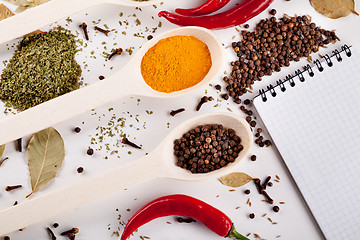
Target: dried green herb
<point x="43" y="67"/>
<point x="45" y="153"/>
<point x="235" y="179"/>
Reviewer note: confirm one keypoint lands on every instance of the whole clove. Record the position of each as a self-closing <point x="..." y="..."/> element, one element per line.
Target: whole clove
<point x="51" y="233"/>
<point x="71" y="231"/>
<point x="203" y="100"/>
<point x="268" y="198"/>
<point x="258" y="185"/>
<point x="106" y="32"/>
<point x="84" y="28"/>
<point x="126" y="141"/>
<point x="263" y="186"/>
<point x="174" y="112"/>
<point x="9" y="188"/>
<point x="117" y="51"/>
<point x="19" y="144"/>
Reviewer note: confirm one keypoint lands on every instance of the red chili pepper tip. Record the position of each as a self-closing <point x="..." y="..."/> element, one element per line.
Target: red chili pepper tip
<point x="182" y="205"/>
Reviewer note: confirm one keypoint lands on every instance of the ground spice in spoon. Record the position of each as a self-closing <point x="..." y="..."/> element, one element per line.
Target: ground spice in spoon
<point x="43" y="67"/>
<point x="176" y="63"/>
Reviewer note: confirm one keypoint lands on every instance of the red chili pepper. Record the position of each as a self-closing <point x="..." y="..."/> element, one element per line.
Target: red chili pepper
<point x="208" y="7"/>
<point x="233" y="17"/>
<point x="183" y="205"/>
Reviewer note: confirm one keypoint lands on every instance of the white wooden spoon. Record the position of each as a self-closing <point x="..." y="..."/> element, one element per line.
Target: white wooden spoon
<point x="127" y="81"/>
<point x="50" y="12"/>
<point x="160" y="163"/>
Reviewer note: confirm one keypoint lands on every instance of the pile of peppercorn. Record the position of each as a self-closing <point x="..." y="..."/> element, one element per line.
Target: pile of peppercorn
<point x="207" y="148"/>
<point x="271" y="46"/>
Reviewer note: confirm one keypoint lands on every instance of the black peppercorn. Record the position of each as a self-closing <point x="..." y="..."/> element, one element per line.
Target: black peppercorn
<point x="90" y="151"/>
<point x="80" y="169"/>
<point x="77" y="129"/>
<point x="253" y="157"/>
<point x="276" y="209"/>
<point x="247" y="191"/>
<point x="252" y="215"/>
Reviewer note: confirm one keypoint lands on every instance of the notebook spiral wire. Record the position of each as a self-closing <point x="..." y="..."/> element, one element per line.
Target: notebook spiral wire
<point x="300" y="73"/>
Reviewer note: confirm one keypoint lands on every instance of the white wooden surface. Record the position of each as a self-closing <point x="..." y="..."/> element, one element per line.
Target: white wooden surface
<point x="100" y="219"/>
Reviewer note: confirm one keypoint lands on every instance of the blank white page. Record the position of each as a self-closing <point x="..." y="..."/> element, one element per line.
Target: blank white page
<point x="315" y="126"/>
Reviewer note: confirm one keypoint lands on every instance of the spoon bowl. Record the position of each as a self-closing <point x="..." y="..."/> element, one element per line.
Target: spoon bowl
<point x="52" y="11"/>
<point x="127" y="81"/>
<point x="160" y="163"/>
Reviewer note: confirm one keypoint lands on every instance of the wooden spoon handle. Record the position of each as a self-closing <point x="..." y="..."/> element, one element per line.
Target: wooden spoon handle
<point x="68" y="198"/>
<point x="69" y="105"/>
<point x="39" y="16"/>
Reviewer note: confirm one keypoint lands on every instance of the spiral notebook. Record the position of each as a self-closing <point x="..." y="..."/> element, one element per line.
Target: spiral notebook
<point x="313" y="118"/>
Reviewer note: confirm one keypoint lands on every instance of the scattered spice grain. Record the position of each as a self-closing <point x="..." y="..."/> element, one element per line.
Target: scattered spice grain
<point x="80" y="169"/>
<point x="10" y="188"/>
<point x="106" y="32"/>
<point x="83" y="26"/>
<point x="273" y="12"/>
<point x="174" y="112"/>
<point x="276" y="209"/>
<point x="90" y="151"/>
<point x="127" y="142"/>
<point x="203" y="100"/>
<point x="55" y="225"/>
<point x="19" y="144"/>
<point x="218" y="87"/>
<point x="117" y="51"/>
<point x="253" y="158"/>
<point x="70" y="231"/>
<point x="3" y="160"/>
<point x="268" y="198"/>
<point x="247" y="191"/>
<point x="101" y="77"/>
<point x="51" y="233"/>
<point x="77" y="129"/>
<point x="150" y="37"/>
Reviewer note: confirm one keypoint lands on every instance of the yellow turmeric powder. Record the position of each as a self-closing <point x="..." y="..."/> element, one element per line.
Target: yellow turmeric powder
<point x="176" y="63"/>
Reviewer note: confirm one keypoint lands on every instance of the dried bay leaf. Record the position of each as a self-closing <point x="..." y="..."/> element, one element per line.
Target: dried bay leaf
<point x="4" y="12"/>
<point x="45" y="153"/>
<point x="235" y="179"/>
<point x="2" y="149"/>
<point x="334" y="8"/>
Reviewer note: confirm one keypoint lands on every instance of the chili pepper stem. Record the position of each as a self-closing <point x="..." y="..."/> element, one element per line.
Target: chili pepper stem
<point x="235" y="234"/>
